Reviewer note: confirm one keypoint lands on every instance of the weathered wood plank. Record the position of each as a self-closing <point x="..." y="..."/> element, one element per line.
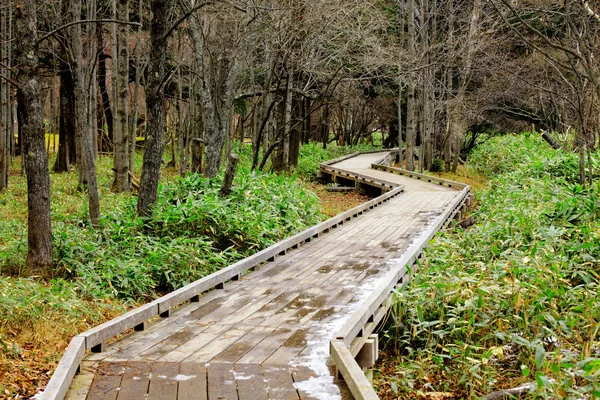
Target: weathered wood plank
<point x="82" y="382"/>
<point x="66" y="370"/>
<point x="280" y="384"/>
<point x="250" y="382"/>
<point x="221" y="382"/>
<point x="192" y="382"/>
<point x="163" y="383"/>
<point x="136" y="379"/>
<point x="353" y="376"/>
<point x="114" y="327"/>
<point x="107" y="382"/>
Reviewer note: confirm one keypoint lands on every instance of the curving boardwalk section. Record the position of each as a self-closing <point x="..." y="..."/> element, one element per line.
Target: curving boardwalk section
<point x="267" y="333"/>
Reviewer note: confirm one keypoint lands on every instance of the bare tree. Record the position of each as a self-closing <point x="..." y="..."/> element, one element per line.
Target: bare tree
<point x="39" y="253"/>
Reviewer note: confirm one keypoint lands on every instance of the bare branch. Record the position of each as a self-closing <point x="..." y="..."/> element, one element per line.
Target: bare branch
<point x="60" y="28"/>
<point x="586" y="6"/>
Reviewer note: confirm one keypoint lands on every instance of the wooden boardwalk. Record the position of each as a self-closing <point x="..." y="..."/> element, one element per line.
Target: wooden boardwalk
<point x="267" y="334"/>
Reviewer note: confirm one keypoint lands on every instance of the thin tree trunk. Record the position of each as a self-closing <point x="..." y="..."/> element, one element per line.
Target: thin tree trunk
<point x="66" y="130"/>
<point x="136" y="90"/>
<point x="121" y="81"/>
<point x="87" y="167"/>
<point x="155" y="99"/>
<point x="411" y="134"/>
<point x="229" y="175"/>
<point x="4" y="102"/>
<point x="39" y="236"/>
<point x="287" y="122"/>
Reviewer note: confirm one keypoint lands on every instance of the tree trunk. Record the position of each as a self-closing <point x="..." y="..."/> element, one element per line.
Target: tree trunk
<point x="411" y="134"/>
<point x="155" y="99"/>
<point x="399" y="111"/>
<point x="4" y="100"/>
<point x="101" y="76"/>
<point x="197" y="133"/>
<point x="39" y="239"/>
<point x="229" y="175"/>
<point x="83" y="133"/>
<point x="66" y="139"/>
<point x="287" y="122"/>
<point x="121" y="134"/>
<point x="136" y="91"/>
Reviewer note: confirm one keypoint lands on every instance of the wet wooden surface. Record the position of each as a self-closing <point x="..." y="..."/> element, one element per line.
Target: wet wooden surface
<point x="267" y="335"/>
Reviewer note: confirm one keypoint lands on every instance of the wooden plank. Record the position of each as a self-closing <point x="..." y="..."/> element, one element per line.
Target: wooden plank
<point x="280" y="384"/>
<point x="221" y="382"/>
<point x="163" y="383"/>
<point x="353" y="376"/>
<point x="114" y="327"/>
<point x="212" y="348"/>
<point x="133" y="345"/>
<point x="82" y="382"/>
<point x="192" y="382"/>
<point x="265" y="348"/>
<point x="250" y="382"/>
<point x="107" y="382"/>
<point x="242" y="346"/>
<point x="66" y="369"/>
<point x="301" y="377"/>
<point x="171" y="343"/>
<point x="136" y="379"/>
<point x="200" y="336"/>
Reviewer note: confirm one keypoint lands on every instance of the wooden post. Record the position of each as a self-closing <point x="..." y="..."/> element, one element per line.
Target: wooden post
<point x="229" y="175"/>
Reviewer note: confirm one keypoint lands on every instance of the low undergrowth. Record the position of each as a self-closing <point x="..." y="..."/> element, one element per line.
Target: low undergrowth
<point x="512" y="300"/>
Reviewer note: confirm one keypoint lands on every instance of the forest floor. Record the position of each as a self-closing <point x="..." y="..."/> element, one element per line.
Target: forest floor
<point x="38" y="318"/>
<point x="513" y="301"/>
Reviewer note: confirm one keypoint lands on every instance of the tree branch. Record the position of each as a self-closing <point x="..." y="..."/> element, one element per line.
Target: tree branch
<point x="186" y="16"/>
<point x="85" y="21"/>
<point x="12" y="82"/>
<point x="586" y="6"/>
<point x="509" y="393"/>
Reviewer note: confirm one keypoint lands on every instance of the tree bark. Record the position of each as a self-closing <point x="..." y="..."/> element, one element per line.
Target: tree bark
<point x="39" y="235"/>
<point x="138" y="74"/>
<point x="229" y="175"/>
<point x="83" y="133"/>
<point x="66" y="126"/>
<point x="155" y="99"/>
<point x="4" y="101"/>
<point x="121" y="81"/>
<point x="551" y="141"/>
<point x="411" y="134"/>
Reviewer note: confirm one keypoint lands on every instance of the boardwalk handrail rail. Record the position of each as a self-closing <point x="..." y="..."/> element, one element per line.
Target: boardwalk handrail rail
<point x="418" y="176"/>
<point x="358" y="153"/>
<point x="350" y="339"/>
<point x="69" y="364"/>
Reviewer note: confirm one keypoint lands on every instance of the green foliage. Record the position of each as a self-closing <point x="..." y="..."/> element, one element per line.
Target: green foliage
<point x="192" y="233"/>
<point x="437" y="165"/>
<point x="514" y="298"/>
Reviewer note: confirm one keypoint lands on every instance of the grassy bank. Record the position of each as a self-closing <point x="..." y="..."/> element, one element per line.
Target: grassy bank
<point x="514" y="299"/>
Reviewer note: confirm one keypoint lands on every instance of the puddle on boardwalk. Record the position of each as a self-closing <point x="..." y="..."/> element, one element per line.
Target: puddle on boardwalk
<point x="298" y="339"/>
<point x="359" y="266"/>
<point x="325" y="269"/>
<point x="324" y="313"/>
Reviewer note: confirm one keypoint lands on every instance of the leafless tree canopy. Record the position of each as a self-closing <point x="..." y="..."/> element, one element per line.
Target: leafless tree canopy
<point x="192" y="76"/>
